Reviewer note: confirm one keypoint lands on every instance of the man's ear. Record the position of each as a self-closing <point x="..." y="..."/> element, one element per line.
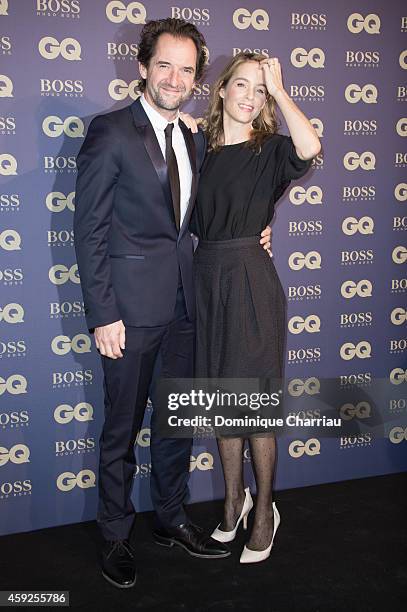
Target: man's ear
<point x="142" y="70"/>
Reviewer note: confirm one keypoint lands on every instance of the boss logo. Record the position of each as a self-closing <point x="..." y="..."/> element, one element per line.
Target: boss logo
<point x="14" y="419"/>
<point x="308" y="21"/>
<point x="3" y="7"/>
<point x="315" y="58"/>
<point x="82" y="412"/>
<point x="361" y="350"/>
<point x="357" y="23"/>
<point x="403" y="60"/>
<point x="134" y="12"/>
<point x="351" y="225"/>
<point x="120" y="90"/>
<point x="61" y="345"/>
<point x="362" y="410"/>
<point x="196" y="15"/>
<point x="64" y="309"/>
<point x="60" y="274"/>
<point x="143" y="437"/>
<point x="309" y="292"/>
<point x="83" y="479"/>
<point x="10" y="240"/>
<point x="354" y="193"/>
<point x="19" y="453"/>
<point x="311" y="93"/>
<point x="366" y="161"/>
<point x="362" y="379"/>
<point x="54" y="127"/>
<point x="404" y="24"/>
<point x="311" y="447"/>
<point x="398" y="316"/>
<point x="56" y="201"/>
<point x="401" y="160"/>
<point x="360" y="319"/>
<point x="6" y="87"/>
<point x="77" y="378"/>
<point x="5" y="45"/>
<point x="9" y="202"/>
<point x="310" y="386"/>
<point x="351" y="289"/>
<point x="12" y="313"/>
<point x="16" y="384"/>
<point x="398" y="434"/>
<point x="59" y="164"/>
<point x="81" y="445"/>
<point x="203" y="462"/>
<point x="311" y="324"/>
<point x="400" y="192"/>
<point x="399" y="254"/>
<point x="304" y="355"/>
<point x="69" y="88"/>
<point x="310" y="228"/>
<point x="11" y="276"/>
<point x="311" y="195"/>
<point x="63" y="8"/>
<point x="357" y="127"/>
<point x="398" y="285"/>
<point x="60" y="238"/>
<point x="396" y="346"/>
<point x="318" y="162"/>
<point x="143" y="470"/>
<point x="362" y="58"/>
<point x="355" y="93"/>
<point x="237" y="50"/>
<point x="401" y="93"/>
<point x="399" y="223"/>
<point x="258" y="19"/>
<point x="69" y="48"/>
<point x="361" y="256"/>
<point x="201" y="90"/>
<point x="352" y="441"/>
<point x="397" y="376"/>
<point x="122" y="50"/>
<point x="13" y="348"/>
<point x="7" y="125"/>
<point x="311" y="260"/>
<point x="318" y="126"/>
<point x="401" y="127"/>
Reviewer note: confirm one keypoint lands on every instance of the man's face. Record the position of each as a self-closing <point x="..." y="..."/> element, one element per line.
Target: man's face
<point x="170" y="75"/>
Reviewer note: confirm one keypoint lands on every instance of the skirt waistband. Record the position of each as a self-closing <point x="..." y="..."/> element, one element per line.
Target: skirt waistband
<point x="234" y="243"/>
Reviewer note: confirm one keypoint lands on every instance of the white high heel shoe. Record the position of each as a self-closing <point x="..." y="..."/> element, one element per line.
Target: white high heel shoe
<point x="254" y="556"/>
<point x="228" y="536"/>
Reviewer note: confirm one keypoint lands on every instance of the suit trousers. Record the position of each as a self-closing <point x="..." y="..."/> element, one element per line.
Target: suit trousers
<point x="151" y="352"/>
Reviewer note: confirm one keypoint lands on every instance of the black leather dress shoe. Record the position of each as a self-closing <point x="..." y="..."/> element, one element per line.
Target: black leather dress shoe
<point x="192" y="539"/>
<point x="118" y="564"/>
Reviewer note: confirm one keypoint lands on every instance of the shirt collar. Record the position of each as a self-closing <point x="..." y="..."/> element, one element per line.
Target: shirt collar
<point x="158" y="121"/>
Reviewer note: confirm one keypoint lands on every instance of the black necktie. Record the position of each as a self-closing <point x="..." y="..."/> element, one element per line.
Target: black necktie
<point x="173" y="173"/>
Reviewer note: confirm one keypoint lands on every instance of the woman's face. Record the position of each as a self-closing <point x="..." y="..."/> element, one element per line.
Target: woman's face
<point x="245" y="93"/>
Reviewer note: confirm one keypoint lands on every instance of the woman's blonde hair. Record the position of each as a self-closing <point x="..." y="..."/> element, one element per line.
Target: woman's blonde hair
<point x="266" y="122"/>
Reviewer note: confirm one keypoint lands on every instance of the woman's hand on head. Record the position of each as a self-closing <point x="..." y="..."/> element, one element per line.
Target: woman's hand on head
<point x="272" y="75"/>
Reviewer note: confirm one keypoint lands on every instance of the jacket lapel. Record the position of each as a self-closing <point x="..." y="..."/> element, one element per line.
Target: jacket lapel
<point x="190" y="144"/>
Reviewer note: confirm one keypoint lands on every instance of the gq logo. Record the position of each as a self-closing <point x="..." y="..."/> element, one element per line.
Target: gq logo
<point x="12" y="313"/>
<point x="399" y="254"/>
<point x="362" y="350"/>
<point x="297" y="387"/>
<point x="398" y="316"/>
<point x="6" y="86"/>
<point x="8" y="164"/>
<point x="312" y="195"/>
<point x="314" y="58"/>
<point x="362" y="410"/>
<point x="203" y="462"/>
<point x="403" y="60"/>
<point x="397" y="376"/>
<point x="398" y="434"/>
<point x="243" y="19"/>
<point x="355" y="93"/>
<point x="16" y="384"/>
<point x="61" y="345"/>
<point x="119" y="89"/>
<point x="362" y="288"/>
<point x="357" y="23"/>
<point x="401" y="126"/>
<point x="10" y="240"/>
<point x="117" y="11"/>
<point x="3" y="7"/>
<point x="311" y="324"/>
<point x="351" y="225"/>
<point x="82" y="412"/>
<point x="56" y="201"/>
<point x="19" y="453"/>
<point x="318" y="126"/>
<point x="53" y="127"/>
<point x="298" y="448"/>
<point x="68" y="48"/>
<point x="311" y="260"/>
<point x="365" y="161"/>
<point x="60" y="274"/>
<point x="400" y="192"/>
<point x="143" y="437"/>
<point x="68" y="480"/>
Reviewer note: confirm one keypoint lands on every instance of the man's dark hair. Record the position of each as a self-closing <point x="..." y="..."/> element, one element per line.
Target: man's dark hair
<point x="176" y="27"/>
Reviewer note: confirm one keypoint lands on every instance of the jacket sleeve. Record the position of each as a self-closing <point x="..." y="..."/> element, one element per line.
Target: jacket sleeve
<point x="98" y="164"/>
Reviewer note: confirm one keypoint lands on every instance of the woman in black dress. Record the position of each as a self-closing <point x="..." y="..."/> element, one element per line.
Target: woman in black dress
<point x="241" y="322"/>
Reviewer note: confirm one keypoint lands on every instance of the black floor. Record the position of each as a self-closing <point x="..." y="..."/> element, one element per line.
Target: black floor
<point x="339" y="547"/>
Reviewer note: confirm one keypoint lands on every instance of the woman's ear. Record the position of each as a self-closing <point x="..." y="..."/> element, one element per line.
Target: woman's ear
<point x="222" y="92"/>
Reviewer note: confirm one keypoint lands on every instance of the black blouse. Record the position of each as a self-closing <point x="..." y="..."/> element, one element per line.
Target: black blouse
<point x="238" y="187"/>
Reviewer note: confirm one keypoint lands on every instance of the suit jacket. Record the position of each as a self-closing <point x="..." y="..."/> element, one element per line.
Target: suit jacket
<point x="128" y="249"/>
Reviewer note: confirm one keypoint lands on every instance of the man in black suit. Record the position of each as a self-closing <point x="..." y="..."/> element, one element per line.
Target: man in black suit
<point x="137" y="177"/>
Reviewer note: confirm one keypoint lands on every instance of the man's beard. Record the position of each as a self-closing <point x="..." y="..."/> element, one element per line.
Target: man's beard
<point x="161" y="102"/>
